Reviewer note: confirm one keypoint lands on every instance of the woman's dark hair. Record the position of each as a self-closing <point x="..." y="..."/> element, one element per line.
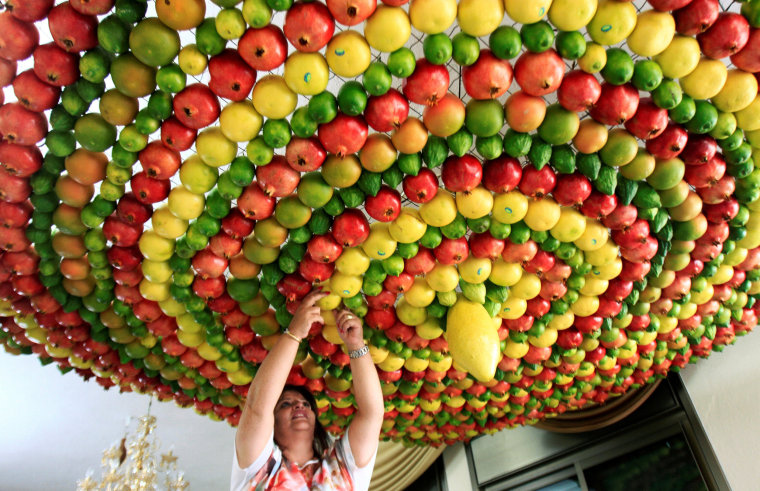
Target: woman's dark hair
<point x="321" y="440"/>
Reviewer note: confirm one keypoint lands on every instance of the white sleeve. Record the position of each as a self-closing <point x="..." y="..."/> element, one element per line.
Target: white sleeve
<point x="241" y="477"/>
<point x="360" y="475"/>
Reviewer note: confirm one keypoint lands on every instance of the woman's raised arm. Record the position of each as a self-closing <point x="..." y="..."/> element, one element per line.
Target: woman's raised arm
<point x="257" y="420"/>
<point x="364" y="431"/>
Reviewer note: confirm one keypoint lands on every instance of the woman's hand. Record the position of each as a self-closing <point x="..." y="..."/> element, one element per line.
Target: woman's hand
<point x="350" y="329"/>
<point x="307" y="314"/>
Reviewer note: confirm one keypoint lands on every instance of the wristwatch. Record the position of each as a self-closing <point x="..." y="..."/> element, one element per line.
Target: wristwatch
<point x="359" y="352"/>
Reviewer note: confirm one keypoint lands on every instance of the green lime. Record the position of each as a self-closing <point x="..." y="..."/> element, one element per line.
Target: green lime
<point x="647" y="75"/>
<point x="484" y="117"/>
<point x="130" y="11"/>
<point x="505" y="42"/>
<point x="146" y="122"/>
<point x="216" y="205"/>
<point x="751" y="11"/>
<point x="116" y="174"/>
<point x="42" y="181"/>
<point x="280" y="5"/>
<point x="241" y="171"/>
<point x="89" y="91"/>
<point x="402" y="62"/>
<point x="208" y="41"/>
<point x="122" y="157"/>
<point x="466" y="49"/>
<point x="90" y="218"/>
<point x="131" y="139"/>
<point x="302" y="124"/>
<point x="94" y="133"/>
<point x="113" y="34"/>
<point x="437" y="48"/>
<point x="732" y="142"/>
<point x="160" y="104"/>
<point x="72" y="102"/>
<point x="352" y="100"/>
<point x="171" y="78"/>
<point x="110" y="191"/>
<point x="668" y="94"/>
<point x="276" y="132"/>
<point x="53" y="163"/>
<point x="537" y="37"/>
<point x="208" y="225"/>
<point x="60" y="119"/>
<point x="227" y="189"/>
<point x="230" y="23"/>
<point x="684" y="111"/>
<point x="259" y="152"/>
<point x="725" y="126"/>
<point x="619" y="67"/>
<point x="153" y="43"/>
<point x="323" y="107"/>
<point x="571" y="45"/>
<point x="61" y="143"/>
<point x="257" y="13"/>
<point x="460" y="142"/>
<point x="489" y="147"/>
<point x="705" y="118"/>
<point x="377" y="78"/>
<point x="94" y="65"/>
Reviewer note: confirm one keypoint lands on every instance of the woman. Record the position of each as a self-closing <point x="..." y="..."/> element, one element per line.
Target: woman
<point x="279" y="442"/>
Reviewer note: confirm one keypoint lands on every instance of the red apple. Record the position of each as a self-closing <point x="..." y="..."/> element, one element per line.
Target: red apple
<point x="579" y="91"/>
<point x="72" y="30"/>
<point x="148" y="190"/>
<point x="343" y="135"/>
<point x="159" y="161"/>
<point x="18" y="39"/>
<point x="452" y="251"/>
<point x="670" y="143"/>
<point x="599" y="205"/>
<point x="616" y="105"/>
<point x="572" y="189"/>
<point x="726" y="36"/>
<point x="254" y="203"/>
<point x="350" y="228"/>
<point x="315" y="271"/>
<point x="305" y="154"/>
<point x="488" y="78"/>
<point x="484" y="245"/>
<point x="427" y="84"/>
<point x="121" y="233"/>
<point x="131" y="210"/>
<point x="196" y="106"/>
<point x="324" y="248"/>
<point x="422" y="262"/>
<point x="20" y="160"/>
<point x="649" y="121"/>
<point x="308" y="26"/>
<point x="231" y="77"/>
<point x="176" y="135"/>
<point x="277" y="178"/>
<point x="702" y="176"/>
<point x="33" y="93"/>
<point x="668" y="5"/>
<point x="519" y="253"/>
<point x="386" y="112"/>
<point x="264" y="49"/>
<point x="55" y="66"/>
<point x="698" y="150"/>
<point x="385" y="206"/>
<point x="422" y="187"/>
<point x="696" y="17"/>
<point x="537" y="183"/>
<point x="539" y="74"/>
<point x="20" y="125"/>
<point x="461" y="173"/>
<point x="29" y="10"/>
<point x="502" y="174"/>
<point x="748" y="58"/>
<point x="236" y="225"/>
<point x="351" y="12"/>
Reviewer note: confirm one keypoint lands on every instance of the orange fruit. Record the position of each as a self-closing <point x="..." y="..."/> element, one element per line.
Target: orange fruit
<point x="86" y="167"/>
<point x="73" y="193"/>
<point x="75" y="268"/>
<point x="79" y="288"/>
<point x="181" y="15"/>
<point x="68" y="245"/>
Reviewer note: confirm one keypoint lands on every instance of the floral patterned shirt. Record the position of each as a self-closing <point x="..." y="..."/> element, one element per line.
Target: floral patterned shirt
<point x="271" y="471"/>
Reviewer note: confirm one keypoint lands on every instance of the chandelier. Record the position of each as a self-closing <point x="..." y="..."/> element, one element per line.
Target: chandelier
<point x="131" y="464"/>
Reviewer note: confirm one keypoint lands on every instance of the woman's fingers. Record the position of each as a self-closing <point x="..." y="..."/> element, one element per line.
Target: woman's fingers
<point x="312" y="298"/>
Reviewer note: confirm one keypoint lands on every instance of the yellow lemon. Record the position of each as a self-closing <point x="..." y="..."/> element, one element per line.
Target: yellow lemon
<point x="594" y="286"/>
<point x="439" y="211"/>
<point x="594" y="59"/>
<point x="516" y="350"/>
<point x="609" y="271"/>
<point x="613" y="22"/>
<point x="409" y="314"/>
<point x="215" y="149"/>
<point x="527" y="287"/>
<point x="345" y="286"/>
<point x="570" y="15"/>
<point x="167" y="225"/>
<point x="480" y="17"/>
<point x="408" y="227"/>
<point x="348" y="54"/>
<point x="379" y="244"/>
<point x="474" y="269"/>
<point x="306" y="73"/>
<point x="737" y="93"/>
<point x="443" y="277"/>
<point x="155" y="247"/>
<point x="748" y="119"/>
<point x="706" y="80"/>
<point x="191" y="60"/>
<point x="594" y="236"/>
<point x="510" y="207"/>
<point x="585" y="306"/>
<point x="156" y="271"/>
<point x="543" y="214"/>
<point x="570" y="226"/>
<point x="272" y="98"/>
<point x="562" y="321"/>
<point x="387" y="29"/>
<point x="528" y="12"/>
<point x="197" y="176"/>
<point x="604" y="255"/>
<point x="430" y="329"/>
<point x="185" y="204"/>
<point x="513" y="307"/>
<point x="680" y="58"/>
<point x="653" y="33"/>
<point x="473" y="339"/>
<point x="545" y="340"/>
<point x="172" y="307"/>
<point x="420" y="294"/>
<point x="475" y="203"/>
<point x="154" y="291"/>
<point x="240" y="122"/>
<point x="432" y="16"/>
<point x="352" y="261"/>
<point x="504" y="273"/>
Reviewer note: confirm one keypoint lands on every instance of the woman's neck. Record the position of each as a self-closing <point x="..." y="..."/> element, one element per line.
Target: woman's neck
<point x="299" y="451"/>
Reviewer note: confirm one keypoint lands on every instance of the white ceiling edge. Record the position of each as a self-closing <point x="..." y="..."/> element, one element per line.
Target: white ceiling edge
<point x="54" y="427"/>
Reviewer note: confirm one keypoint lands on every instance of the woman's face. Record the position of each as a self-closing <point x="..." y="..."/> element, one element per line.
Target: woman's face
<point x="293" y="412"/>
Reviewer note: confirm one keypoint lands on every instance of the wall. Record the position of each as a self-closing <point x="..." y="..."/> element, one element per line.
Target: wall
<point x="725" y="391"/>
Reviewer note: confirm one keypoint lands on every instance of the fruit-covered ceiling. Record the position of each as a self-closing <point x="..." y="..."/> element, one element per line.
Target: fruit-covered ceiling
<point x="535" y="206"/>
